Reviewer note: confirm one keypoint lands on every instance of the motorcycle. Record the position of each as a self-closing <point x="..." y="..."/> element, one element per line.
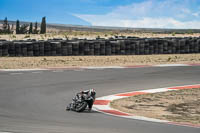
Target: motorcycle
<point x="79" y="103"/>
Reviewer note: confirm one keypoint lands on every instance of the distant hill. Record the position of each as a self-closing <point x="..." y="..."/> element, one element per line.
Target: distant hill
<point x="104" y="28"/>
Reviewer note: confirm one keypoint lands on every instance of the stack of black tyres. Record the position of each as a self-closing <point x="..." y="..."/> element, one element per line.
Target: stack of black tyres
<point x="47" y="48"/>
<point x="41" y="48"/>
<point x="127" y="47"/>
<point x="151" y="47"/>
<point x="36" y="51"/>
<point x="196" y="46"/>
<point x="173" y="46"/>
<point x="53" y="48"/>
<point x="24" y="49"/>
<point x="102" y="48"/>
<point x="113" y="47"/>
<point x="29" y="48"/>
<point x="122" y="47"/>
<point x="97" y="48"/>
<point x="0" y="48"/>
<point x="198" y="43"/>
<point x="132" y="47"/>
<point x="182" y="44"/>
<point x="64" y="48"/>
<point x="160" y="47"/>
<point x="177" y="46"/>
<point x="69" y="48"/>
<point x="193" y="45"/>
<point x="11" y="49"/>
<point x="146" y="47"/>
<point x="137" y="47"/>
<point x="117" y="48"/>
<point x="81" y="48"/>
<point x="108" y="50"/>
<point x="58" y="49"/>
<point x="18" y="49"/>
<point x="141" y="47"/>
<point x="91" y="47"/>
<point x="75" y="48"/>
<point x="169" y="47"/>
<point x="5" y="46"/>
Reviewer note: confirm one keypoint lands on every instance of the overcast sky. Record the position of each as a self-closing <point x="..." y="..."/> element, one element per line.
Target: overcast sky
<point x="123" y="13"/>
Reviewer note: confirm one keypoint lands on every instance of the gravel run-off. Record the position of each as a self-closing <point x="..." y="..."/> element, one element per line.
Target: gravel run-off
<point x="177" y="106"/>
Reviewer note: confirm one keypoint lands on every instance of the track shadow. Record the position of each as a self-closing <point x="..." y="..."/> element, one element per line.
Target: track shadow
<point x="85" y="111"/>
<point x="92" y="111"/>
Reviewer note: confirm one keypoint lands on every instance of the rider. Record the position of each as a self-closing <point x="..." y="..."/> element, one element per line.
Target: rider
<point x="90" y="96"/>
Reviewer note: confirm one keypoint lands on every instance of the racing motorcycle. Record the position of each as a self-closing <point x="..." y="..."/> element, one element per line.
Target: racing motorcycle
<point x="79" y="103"/>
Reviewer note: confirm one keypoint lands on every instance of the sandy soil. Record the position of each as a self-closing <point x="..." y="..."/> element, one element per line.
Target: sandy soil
<point x="177" y="106"/>
<point x="76" y="61"/>
<point x="90" y="35"/>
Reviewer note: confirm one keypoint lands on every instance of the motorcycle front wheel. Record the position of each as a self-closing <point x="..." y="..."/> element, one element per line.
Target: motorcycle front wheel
<point x="81" y="106"/>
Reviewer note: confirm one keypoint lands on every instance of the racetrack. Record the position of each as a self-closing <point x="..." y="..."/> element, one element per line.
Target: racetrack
<point x="36" y="101"/>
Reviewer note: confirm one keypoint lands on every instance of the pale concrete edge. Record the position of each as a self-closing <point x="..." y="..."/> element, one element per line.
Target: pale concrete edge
<point x="99" y="67"/>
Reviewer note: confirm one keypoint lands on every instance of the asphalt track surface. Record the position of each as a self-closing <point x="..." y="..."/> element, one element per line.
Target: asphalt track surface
<point x="36" y="101"/>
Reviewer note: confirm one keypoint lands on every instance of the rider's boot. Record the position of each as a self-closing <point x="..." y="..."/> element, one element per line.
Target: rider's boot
<point x="89" y="109"/>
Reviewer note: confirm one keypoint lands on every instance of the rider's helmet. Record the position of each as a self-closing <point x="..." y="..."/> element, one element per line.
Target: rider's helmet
<point x="81" y="91"/>
<point x="92" y="92"/>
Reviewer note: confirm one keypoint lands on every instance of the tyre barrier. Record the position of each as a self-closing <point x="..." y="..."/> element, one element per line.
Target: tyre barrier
<point x="128" y="46"/>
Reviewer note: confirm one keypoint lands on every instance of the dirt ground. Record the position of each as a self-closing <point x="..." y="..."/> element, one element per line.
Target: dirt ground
<point x="77" y="61"/>
<point x="90" y="35"/>
<point x="177" y="106"/>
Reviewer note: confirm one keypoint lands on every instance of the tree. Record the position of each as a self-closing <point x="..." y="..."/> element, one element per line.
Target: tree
<point x="8" y="29"/>
<point x="43" y="26"/>
<point x="23" y="29"/>
<point x="12" y="27"/>
<point x="17" y="27"/>
<point x="31" y="28"/>
<point x="5" y="25"/>
<point x="35" y="29"/>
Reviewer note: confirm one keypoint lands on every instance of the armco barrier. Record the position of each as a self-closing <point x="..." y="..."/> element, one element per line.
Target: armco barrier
<point x="129" y="46"/>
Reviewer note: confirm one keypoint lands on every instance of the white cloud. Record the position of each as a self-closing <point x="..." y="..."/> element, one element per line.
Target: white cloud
<point x="196" y="14"/>
<point x="148" y="14"/>
<point x="100" y="20"/>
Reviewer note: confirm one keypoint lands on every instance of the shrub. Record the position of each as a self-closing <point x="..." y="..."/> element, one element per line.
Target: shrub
<point x="27" y="36"/>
